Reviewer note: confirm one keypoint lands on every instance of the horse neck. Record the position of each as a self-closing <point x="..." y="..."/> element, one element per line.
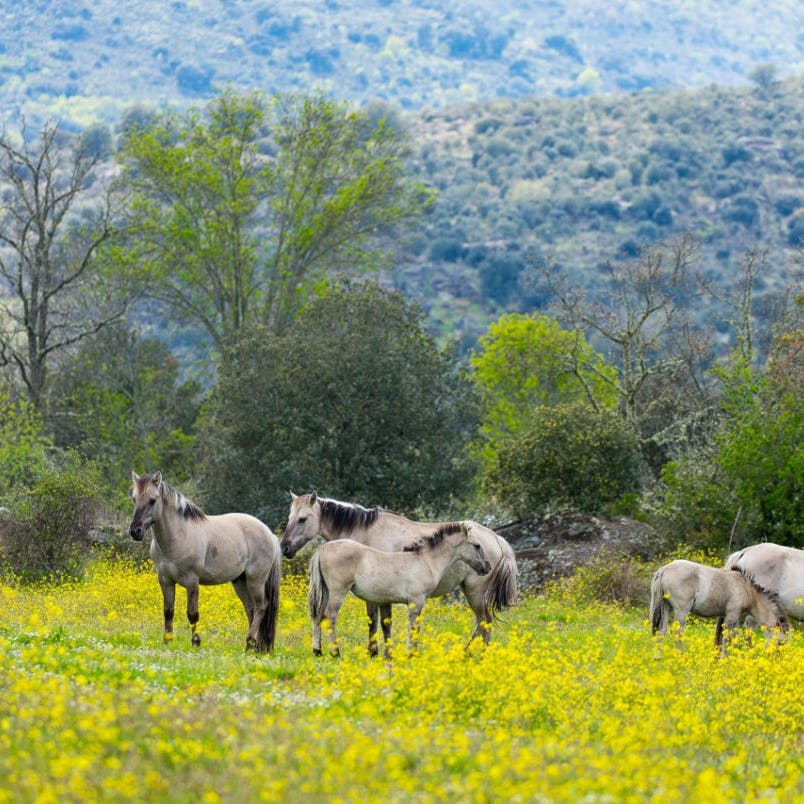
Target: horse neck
<point x="764" y="611"/>
<point x="169" y="529"/>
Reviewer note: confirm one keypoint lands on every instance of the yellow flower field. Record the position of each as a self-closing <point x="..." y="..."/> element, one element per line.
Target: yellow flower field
<point x="571" y="702"/>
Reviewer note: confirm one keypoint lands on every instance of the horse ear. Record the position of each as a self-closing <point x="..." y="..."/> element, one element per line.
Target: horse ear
<point x="293" y="496"/>
<point x="157" y="478"/>
<point x="312" y="498"/>
<point x="134" y="476"/>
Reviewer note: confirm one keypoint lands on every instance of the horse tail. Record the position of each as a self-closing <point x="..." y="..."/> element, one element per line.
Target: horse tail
<point x="268" y="623"/>
<point x="319" y="592"/>
<point x="658" y="606"/>
<point x="501" y="591"/>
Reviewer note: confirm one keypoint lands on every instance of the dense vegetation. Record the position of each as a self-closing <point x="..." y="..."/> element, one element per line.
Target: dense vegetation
<point x="570" y="701"/>
<point x="85" y="61"/>
<point x="669" y="395"/>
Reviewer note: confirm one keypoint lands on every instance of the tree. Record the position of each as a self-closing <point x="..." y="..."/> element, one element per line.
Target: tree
<point x="528" y="360"/>
<point x="640" y="316"/>
<point x="571" y="455"/>
<point x="24" y="447"/>
<point x="240" y="211"/>
<point x="121" y="403"/>
<point x="50" y="244"/>
<point x="355" y="401"/>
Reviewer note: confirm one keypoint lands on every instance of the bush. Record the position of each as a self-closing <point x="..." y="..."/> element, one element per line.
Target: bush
<point x="572" y="455"/>
<point x="49" y="531"/>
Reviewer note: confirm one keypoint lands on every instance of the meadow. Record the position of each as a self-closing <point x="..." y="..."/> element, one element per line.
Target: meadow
<point x="572" y="701"/>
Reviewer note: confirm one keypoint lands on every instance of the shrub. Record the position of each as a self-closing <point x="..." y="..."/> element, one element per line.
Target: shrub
<point x="49" y="530"/>
<point x="572" y="455"/>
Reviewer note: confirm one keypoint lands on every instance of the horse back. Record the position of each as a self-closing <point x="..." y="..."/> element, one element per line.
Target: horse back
<point x="777" y="568"/>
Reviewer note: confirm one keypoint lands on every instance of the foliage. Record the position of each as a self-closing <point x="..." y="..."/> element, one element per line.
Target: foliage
<point x="23" y="447"/>
<point x="529" y="360"/>
<point x="121" y="402"/>
<point x="355" y="401"/>
<point x="554" y="709"/>
<point x="54" y="290"/>
<point x="571" y="455"/>
<point x="48" y="532"/>
<point x="238" y="211"/>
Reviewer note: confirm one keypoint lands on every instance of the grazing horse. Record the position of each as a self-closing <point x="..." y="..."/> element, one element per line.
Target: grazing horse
<point x="777" y="568"/>
<point x="684" y="587"/>
<point x="191" y="548"/>
<point x="383" y="530"/>
<point x="409" y="576"/>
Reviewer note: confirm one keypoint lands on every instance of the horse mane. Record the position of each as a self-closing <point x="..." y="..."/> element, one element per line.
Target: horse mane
<point x="175" y="499"/>
<point x="343" y="517"/>
<point x="434" y="539"/>
<point x="772" y="597"/>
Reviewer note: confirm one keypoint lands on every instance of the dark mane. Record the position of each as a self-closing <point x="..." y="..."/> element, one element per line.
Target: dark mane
<point x="343" y="518"/>
<point x="174" y="498"/>
<point x="434" y="539"/>
<point x="773" y="597"/>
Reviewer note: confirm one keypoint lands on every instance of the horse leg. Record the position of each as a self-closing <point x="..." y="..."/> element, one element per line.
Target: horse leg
<point x="373" y="612"/>
<point x="168" y="603"/>
<point x="414" y="612"/>
<point x="331" y="611"/>
<point x="254" y="609"/>
<point x="476" y="598"/>
<point x="385" y="623"/>
<point x="192" y="611"/>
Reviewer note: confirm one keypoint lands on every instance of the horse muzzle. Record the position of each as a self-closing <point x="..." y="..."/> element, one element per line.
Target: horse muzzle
<point x="137" y="532"/>
<point x="288" y="550"/>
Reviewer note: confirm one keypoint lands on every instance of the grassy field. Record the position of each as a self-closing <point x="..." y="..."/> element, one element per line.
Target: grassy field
<point x="571" y="702"/>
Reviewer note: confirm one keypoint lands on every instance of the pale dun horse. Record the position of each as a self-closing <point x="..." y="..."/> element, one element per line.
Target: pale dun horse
<point x="487" y="595"/>
<point x="777" y="568"/>
<point x="683" y="587"/>
<point x="192" y="549"/>
<point x="409" y="576"/>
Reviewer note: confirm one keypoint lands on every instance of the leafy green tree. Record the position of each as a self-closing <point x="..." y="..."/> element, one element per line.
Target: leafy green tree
<point x="524" y="361"/>
<point x="24" y="446"/>
<point x="122" y="403"/>
<point x="355" y="401"/>
<point x="572" y="455"/>
<point x="51" y="238"/>
<point x="237" y="212"/>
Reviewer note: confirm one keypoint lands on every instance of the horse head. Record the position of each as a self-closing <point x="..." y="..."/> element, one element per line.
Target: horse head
<point x="303" y="523"/>
<point x="147" y="496"/>
<point x="472" y="553"/>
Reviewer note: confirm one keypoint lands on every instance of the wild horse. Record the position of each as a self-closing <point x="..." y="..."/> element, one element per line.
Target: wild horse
<point x="487" y="595"/>
<point x="409" y="576"/>
<point x="192" y="549"/>
<point x="685" y="586"/>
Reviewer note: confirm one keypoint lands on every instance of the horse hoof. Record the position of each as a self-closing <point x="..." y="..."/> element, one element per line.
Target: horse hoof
<point x="167" y="637"/>
<point x="251" y="644"/>
<point x="196" y="641"/>
<point x="317" y="652"/>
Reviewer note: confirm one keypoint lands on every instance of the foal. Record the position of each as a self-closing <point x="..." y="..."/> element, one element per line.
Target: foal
<point x="409" y="576"/>
<point x="684" y="586"/>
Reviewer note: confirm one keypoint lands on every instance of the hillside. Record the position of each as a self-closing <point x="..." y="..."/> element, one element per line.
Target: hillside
<point x="85" y="61"/>
<point x="588" y="181"/>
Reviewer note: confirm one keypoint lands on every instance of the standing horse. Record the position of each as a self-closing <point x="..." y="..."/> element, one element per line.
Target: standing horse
<point x="191" y="548"/>
<point x="487" y="595"/>
<point x="409" y="576"/>
<point x="684" y="586"/>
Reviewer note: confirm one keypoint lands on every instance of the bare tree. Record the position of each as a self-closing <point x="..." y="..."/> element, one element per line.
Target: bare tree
<point x="52" y="292"/>
<point x="639" y="316"/>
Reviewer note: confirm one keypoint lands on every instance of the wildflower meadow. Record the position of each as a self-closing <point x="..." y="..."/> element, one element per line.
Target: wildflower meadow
<point x="571" y="701"/>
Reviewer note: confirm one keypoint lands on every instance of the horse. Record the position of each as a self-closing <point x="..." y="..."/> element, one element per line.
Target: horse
<point x="685" y="586"/>
<point x="191" y="548"/>
<point x="408" y="576"/>
<point x="779" y="569"/>
<point x="487" y="595"/>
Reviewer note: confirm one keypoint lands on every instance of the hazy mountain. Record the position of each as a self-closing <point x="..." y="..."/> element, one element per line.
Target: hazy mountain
<point x="84" y="61"/>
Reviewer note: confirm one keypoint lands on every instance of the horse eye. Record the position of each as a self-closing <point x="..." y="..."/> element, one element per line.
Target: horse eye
<point x="302" y="520"/>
